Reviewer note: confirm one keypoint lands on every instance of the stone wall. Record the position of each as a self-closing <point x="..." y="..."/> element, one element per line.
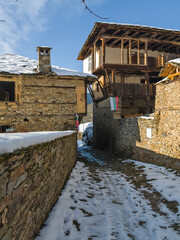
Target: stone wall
<point x="42" y="102"/>
<point x="31" y="181"/>
<point x="128" y="137"/>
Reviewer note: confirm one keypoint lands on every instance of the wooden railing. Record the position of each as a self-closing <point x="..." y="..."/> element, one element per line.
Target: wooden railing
<point x="129" y="90"/>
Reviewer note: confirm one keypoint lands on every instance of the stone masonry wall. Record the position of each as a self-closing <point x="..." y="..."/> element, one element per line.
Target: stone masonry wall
<point x="43" y="103"/>
<point x="31" y="181"/>
<point x="128" y="137"/>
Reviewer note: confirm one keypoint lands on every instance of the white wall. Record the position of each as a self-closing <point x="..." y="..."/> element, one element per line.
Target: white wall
<point x="85" y="65"/>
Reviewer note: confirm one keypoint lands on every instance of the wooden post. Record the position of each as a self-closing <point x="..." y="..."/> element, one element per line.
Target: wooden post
<point x="122" y="49"/>
<point x="120" y="106"/>
<point x="95" y="56"/>
<point x="162" y="60"/>
<point x="146" y="53"/>
<point x="103" y="50"/>
<point x="113" y="76"/>
<point x="138" y="54"/>
<point x="92" y="64"/>
<point x="113" y="81"/>
<point x="147" y="78"/>
<point x="130" y="55"/>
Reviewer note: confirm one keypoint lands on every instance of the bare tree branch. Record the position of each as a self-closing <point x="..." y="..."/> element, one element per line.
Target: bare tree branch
<point x="86" y="7"/>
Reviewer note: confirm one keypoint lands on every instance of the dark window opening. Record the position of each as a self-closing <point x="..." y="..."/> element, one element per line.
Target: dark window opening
<point x="97" y="86"/>
<point x="7" y="91"/>
<point x="142" y="80"/>
<point x="3" y="128"/>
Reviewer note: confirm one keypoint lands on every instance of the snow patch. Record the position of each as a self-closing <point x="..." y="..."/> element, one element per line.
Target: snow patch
<point x="163" y="181"/>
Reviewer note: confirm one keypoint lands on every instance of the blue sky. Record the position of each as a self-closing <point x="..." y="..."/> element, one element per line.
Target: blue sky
<point x="64" y="24"/>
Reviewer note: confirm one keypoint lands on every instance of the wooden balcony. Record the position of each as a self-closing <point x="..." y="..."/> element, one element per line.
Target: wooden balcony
<point x="127" y="90"/>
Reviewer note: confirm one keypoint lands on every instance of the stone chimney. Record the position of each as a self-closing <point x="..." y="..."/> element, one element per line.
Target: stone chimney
<point x="44" y="61"/>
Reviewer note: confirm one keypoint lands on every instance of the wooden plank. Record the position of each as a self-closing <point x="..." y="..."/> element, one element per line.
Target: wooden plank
<point x="92" y="63"/>
<point x="144" y="40"/>
<point x="146" y="53"/>
<point x="103" y="50"/>
<point x="133" y="116"/>
<point x="94" y="56"/>
<point x="122" y="49"/>
<point x="138" y="54"/>
<point x="130" y="54"/>
<point x="113" y="76"/>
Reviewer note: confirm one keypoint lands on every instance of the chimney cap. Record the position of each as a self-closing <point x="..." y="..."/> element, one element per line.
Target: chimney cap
<point x="44" y="47"/>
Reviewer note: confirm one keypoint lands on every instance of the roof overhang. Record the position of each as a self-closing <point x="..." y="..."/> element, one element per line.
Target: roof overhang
<point x="159" y="39"/>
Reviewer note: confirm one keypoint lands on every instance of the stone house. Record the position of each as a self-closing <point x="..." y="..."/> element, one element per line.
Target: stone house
<point x="35" y="96"/>
<point x="127" y="59"/>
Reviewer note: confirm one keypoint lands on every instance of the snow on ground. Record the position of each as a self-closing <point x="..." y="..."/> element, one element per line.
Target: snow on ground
<point x="12" y="141"/>
<point x="103" y="204"/>
<point x="163" y="181"/>
<point x="16" y="64"/>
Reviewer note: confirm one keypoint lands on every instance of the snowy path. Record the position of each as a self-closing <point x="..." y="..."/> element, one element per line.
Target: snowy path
<point x="103" y="202"/>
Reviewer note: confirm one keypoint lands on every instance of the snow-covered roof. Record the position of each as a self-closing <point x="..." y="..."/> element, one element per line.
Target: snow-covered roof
<point x="10" y="142"/>
<point x="15" y="64"/>
<point x="175" y="61"/>
<point x="166" y="71"/>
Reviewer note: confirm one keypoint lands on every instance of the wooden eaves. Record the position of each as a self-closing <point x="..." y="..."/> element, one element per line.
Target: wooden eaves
<point x="158" y="39"/>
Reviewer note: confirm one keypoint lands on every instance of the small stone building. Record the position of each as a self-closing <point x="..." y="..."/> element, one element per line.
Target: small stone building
<point x="35" y="96"/>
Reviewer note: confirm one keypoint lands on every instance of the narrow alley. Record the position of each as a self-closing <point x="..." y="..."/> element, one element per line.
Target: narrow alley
<point x="113" y="199"/>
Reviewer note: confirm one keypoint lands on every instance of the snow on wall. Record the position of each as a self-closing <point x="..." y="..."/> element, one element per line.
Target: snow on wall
<point x="13" y="141"/>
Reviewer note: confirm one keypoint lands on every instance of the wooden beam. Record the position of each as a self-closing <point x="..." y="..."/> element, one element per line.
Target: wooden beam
<point x="126" y="33"/>
<point x="135" y="34"/>
<point x="146" y="53"/>
<point x="145" y="39"/>
<point x="114" y="42"/>
<point x="95" y="56"/>
<point x="92" y="63"/>
<point x="113" y="76"/>
<point x="147" y="78"/>
<point x="122" y="51"/>
<point x="130" y="53"/>
<point x="117" y="31"/>
<point x="103" y="50"/>
<point x="138" y="54"/>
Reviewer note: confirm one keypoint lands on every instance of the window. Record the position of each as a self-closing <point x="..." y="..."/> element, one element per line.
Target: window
<point x="89" y="63"/>
<point x="3" y="129"/>
<point x="7" y="91"/>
